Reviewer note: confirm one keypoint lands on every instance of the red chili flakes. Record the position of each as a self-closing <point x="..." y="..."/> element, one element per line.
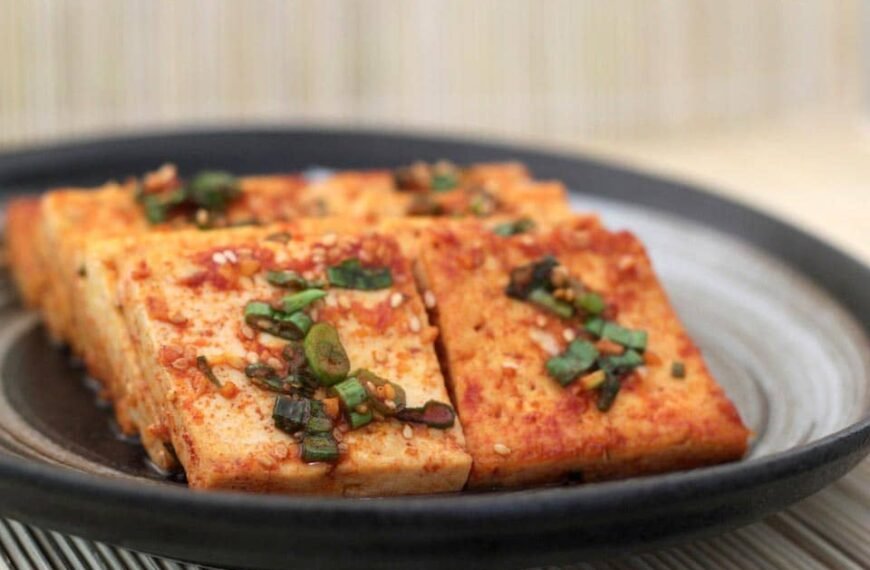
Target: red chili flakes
<point x="141" y="271"/>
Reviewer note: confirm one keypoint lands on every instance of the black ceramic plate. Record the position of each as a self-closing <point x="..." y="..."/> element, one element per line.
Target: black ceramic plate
<point x="781" y="317"/>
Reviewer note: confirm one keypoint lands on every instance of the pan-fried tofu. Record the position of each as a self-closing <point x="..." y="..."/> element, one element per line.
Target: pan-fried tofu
<point x="521" y="425"/>
<point x="184" y="298"/>
<point x="22" y="221"/>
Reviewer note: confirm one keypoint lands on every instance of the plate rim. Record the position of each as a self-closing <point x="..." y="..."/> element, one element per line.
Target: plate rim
<point x="852" y="440"/>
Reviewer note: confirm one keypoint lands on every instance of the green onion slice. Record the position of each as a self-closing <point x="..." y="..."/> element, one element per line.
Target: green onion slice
<point x="620" y="363"/>
<point x="204" y="367"/>
<point x="527" y="278"/>
<point x="591" y="303"/>
<point x="626" y="337"/>
<point x="351" y="393"/>
<point x="298" y="301"/>
<point x="516" y="227"/>
<point x="292" y="280"/>
<point x="377" y="390"/>
<point x="213" y="190"/>
<point x="357" y="420"/>
<point x="320" y="448"/>
<point x="577" y="359"/>
<point x="441" y="182"/>
<point x="434" y="414"/>
<point x="607" y="393"/>
<point x="325" y="354"/>
<point x="350" y="274"/>
<point x="291" y="415"/>
<point x="547" y="301"/>
<point x="595" y="325"/>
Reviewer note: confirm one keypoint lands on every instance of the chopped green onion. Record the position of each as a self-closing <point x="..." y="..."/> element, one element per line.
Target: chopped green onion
<point x="291" y="415"/>
<point x="433" y="414"/>
<point x="516" y="227"/>
<point x="318" y="424"/>
<point x="325" y="354"/>
<point x="592" y="303"/>
<point x="379" y="389"/>
<point x="319" y="448"/>
<point x="607" y="392"/>
<point x="527" y="278"/>
<point x="678" y="369"/>
<point x="628" y="360"/>
<point x="298" y="301"/>
<point x="351" y="393"/>
<point x="204" y="367"/>
<point x="441" y="182"/>
<point x="350" y="274"/>
<point x="258" y="312"/>
<point x="626" y="337"/>
<point x="577" y="359"/>
<point x="547" y="301"/>
<point x="213" y="190"/>
<point x="595" y="325"/>
<point x="357" y="420"/>
<point x="259" y="370"/>
<point x="291" y="280"/>
<point x="293" y="326"/>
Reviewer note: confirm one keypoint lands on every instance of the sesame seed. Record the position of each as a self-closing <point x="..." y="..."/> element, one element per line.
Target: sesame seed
<point x="247" y="332"/>
<point x="231" y="256"/>
<point x="414" y="323"/>
<point x="527" y="240"/>
<point x="181" y="363"/>
<point x="336" y="433"/>
<point x="252" y="357"/>
<point x="390" y="404"/>
<point x="329" y="239"/>
<point x="407" y="432"/>
<point x="342" y="447"/>
<point x="219" y="258"/>
<point x="501" y="449"/>
<point x="265" y="461"/>
<point x="541" y="321"/>
<point x="396" y="299"/>
<point x="274" y="362"/>
<point x="545" y="340"/>
<point x="201" y="216"/>
<point x="510" y="364"/>
<point x="330" y="301"/>
<point x="343" y="302"/>
<point x="313" y="313"/>
<point x="569" y="334"/>
<point x="429" y="299"/>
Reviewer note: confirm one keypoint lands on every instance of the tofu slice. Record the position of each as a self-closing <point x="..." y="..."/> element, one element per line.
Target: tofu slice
<point x="22" y="222"/>
<point x="185" y="297"/>
<point x="521" y="426"/>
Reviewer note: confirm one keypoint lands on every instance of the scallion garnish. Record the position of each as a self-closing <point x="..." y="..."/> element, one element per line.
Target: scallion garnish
<point x="351" y="393"/>
<point x="577" y="359"/>
<point x="628" y="360"/>
<point x="388" y="398"/>
<point x="291" y="415"/>
<point x="357" y="420"/>
<point x="298" y="301"/>
<point x="291" y="280"/>
<point x="350" y="274"/>
<point x="607" y="392"/>
<point x="213" y="190"/>
<point x="527" y="278"/>
<point x="433" y="413"/>
<point x="203" y="366"/>
<point x="591" y="303"/>
<point x="626" y="337"/>
<point x="546" y="300"/>
<point x="443" y="181"/>
<point x="325" y="354"/>
<point x="678" y="369"/>
<point x="291" y="326"/>
<point x="516" y="227"/>
<point x="319" y="448"/>
<point x="595" y="325"/>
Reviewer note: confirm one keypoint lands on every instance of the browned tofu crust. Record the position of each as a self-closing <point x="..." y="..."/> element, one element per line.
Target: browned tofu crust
<point x="521" y="426"/>
<point x="22" y="223"/>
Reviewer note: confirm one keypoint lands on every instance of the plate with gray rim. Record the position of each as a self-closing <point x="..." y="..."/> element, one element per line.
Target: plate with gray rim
<point x="781" y="317"/>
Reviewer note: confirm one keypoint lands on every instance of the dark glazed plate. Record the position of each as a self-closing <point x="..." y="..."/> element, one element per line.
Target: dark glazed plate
<point x="782" y="318"/>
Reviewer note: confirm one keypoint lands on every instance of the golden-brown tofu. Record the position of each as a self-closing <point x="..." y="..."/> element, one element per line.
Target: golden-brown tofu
<point x="185" y="297"/>
<point x="521" y="425"/>
<point x="22" y="222"/>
